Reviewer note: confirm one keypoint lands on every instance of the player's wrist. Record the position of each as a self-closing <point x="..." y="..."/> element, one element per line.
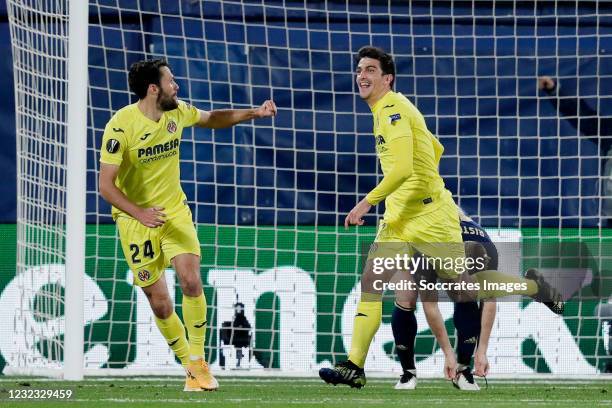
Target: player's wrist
<point x="370" y="200"/>
<point x="137" y="212"/>
<point x="256" y="113"/>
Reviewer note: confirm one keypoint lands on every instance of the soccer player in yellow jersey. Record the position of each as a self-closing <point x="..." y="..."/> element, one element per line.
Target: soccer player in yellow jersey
<point x="420" y="218"/>
<point x="139" y="177"/>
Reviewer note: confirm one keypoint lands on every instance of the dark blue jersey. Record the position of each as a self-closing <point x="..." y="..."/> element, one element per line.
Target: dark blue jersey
<point x="471" y="231"/>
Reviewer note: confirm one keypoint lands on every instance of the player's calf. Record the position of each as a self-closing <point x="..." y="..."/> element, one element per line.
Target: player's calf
<point x="404" y="326"/>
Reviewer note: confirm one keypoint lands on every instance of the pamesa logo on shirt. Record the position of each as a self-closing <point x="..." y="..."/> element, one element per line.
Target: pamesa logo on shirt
<point x="380" y="144"/>
<point x="158" y="151"/>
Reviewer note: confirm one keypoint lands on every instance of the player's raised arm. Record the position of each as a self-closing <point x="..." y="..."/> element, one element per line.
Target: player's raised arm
<point x="224" y="118"/>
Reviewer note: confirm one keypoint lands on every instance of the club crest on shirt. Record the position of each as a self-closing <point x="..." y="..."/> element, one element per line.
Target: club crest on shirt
<point x="144" y="275"/>
<point x="394" y="118"/>
<point x="171" y="126"/>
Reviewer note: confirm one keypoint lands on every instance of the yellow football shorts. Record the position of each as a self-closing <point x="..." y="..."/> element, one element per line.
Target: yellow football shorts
<point x="148" y="251"/>
<point x="436" y="235"/>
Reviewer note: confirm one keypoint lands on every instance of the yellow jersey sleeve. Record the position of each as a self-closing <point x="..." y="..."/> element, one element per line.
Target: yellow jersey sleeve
<point x="190" y="115"/>
<point x="397" y="132"/>
<point x="114" y="143"/>
<point x="402" y="170"/>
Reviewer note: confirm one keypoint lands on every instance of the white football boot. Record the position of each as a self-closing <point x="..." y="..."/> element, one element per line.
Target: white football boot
<point x="464" y="379"/>
<point x="407" y="381"/>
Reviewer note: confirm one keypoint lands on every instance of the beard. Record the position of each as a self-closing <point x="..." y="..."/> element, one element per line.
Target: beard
<point x="166" y="102"/>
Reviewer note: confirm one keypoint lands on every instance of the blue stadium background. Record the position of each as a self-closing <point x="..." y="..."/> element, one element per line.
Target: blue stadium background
<point x="312" y="87"/>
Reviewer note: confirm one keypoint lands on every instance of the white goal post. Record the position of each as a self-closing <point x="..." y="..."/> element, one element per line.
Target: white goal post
<point x="50" y="96"/>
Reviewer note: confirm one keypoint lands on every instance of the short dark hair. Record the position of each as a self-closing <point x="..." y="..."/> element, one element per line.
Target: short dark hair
<point x="386" y="60"/>
<point x="144" y="73"/>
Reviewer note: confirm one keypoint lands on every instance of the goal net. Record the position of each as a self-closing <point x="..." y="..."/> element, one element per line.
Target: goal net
<point x="269" y="196"/>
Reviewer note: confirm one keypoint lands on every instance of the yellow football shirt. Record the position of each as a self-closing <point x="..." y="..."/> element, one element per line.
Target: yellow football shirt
<point x="147" y="153"/>
<point x="409" y="157"/>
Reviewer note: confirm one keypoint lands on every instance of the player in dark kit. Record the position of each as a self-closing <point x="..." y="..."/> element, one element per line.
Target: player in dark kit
<point x="473" y="323"/>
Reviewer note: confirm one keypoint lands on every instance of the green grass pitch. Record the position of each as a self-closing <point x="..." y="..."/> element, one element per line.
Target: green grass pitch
<point x="282" y="392"/>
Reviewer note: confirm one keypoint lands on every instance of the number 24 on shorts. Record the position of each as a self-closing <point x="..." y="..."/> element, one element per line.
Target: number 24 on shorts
<point x="147" y="251"/>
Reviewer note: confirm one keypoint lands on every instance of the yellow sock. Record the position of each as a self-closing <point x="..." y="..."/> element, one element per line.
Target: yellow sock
<point x="194" y="315"/>
<point x="367" y="320"/>
<point x="174" y="332"/>
<point x="487" y="292"/>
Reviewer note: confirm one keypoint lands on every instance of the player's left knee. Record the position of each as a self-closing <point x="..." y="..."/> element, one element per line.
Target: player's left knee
<point x="406" y="305"/>
<point x="192" y="287"/>
<point x="373" y="283"/>
<point x="189" y="277"/>
<point x="162" y="308"/>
